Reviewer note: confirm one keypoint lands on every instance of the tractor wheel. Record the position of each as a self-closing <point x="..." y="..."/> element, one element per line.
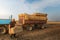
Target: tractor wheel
<point x="2" y="30"/>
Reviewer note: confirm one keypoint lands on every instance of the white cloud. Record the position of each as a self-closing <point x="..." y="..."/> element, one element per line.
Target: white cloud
<point x="22" y="7"/>
<point x="4" y="14"/>
<point x="40" y="6"/>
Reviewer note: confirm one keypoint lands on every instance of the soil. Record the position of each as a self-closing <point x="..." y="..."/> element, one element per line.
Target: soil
<point x="52" y="32"/>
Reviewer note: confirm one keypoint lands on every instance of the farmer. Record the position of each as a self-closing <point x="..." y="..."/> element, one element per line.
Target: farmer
<point x="11" y="28"/>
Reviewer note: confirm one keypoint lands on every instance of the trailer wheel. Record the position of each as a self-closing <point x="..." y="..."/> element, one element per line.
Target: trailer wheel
<point x="43" y="26"/>
<point x="2" y="30"/>
<point x="29" y="28"/>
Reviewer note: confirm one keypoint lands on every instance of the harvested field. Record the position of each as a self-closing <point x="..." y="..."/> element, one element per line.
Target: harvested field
<point x="52" y="32"/>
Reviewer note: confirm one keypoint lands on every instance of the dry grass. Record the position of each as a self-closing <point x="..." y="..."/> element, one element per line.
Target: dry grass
<point x="51" y="22"/>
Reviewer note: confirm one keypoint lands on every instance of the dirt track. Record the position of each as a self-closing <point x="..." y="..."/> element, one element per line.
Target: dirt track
<point x="52" y="32"/>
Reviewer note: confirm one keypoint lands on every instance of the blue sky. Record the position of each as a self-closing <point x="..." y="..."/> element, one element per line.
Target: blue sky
<point x="15" y="7"/>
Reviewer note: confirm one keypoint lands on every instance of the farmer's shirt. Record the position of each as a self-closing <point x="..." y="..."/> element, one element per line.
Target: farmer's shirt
<point x="12" y="24"/>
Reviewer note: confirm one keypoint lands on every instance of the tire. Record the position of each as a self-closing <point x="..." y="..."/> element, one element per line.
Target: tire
<point x="2" y="30"/>
<point x="43" y="26"/>
<point x="29" y="28"/>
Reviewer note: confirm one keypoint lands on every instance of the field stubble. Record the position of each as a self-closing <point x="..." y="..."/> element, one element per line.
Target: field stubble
<point x="52" y="32"/>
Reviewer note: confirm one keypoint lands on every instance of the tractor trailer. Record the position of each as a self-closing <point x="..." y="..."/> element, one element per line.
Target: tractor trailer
<point x="26" y="21"/>
<point x="32" y="21"/>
